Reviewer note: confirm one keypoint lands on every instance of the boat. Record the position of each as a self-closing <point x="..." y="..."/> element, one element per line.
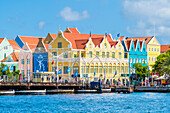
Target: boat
<point x="26" y="92"/>
<point x="7" y="92"/>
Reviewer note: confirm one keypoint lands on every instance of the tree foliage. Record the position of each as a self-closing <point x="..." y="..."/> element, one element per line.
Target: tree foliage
<point x="162" y="65"/>
<point x="12" y="76"/>
<point x="141" y="71"/>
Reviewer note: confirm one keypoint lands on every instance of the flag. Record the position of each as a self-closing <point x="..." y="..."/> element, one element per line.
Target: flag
<point x="12" y="67"/>
<point x="94" y="73"/>
<point x="118" y="34"/>
<point x="69" y="69"/>
<point x="52" y="62"/>
<point x="75" y="74"/>
<point x="115" y="73"/>
<point x="59" y="72"/>
<point x="5" y="68"/>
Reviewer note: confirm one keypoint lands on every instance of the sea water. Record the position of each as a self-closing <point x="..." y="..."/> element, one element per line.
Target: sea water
<point x="72" y="103"/>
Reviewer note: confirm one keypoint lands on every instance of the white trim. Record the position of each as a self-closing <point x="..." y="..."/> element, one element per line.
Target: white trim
<point x="44" y="46"/>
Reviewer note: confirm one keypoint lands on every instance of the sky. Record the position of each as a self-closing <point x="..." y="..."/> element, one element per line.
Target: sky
<point x="130" y="18"/>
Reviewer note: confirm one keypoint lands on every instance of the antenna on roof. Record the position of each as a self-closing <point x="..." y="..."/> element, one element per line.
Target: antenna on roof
<point x="59" y="27"/>
<point x="154" y="29"/>
<point x="106" y="34"/>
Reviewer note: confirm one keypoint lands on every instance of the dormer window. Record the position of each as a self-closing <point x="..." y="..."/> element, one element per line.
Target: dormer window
<point x="90" y="45"/>
<point x="138" y="49"/>
<point x="143" y="49"/>
<point x="105" y="46"/>
<point x="59" y="35"/>
<point x="132" y="48"/>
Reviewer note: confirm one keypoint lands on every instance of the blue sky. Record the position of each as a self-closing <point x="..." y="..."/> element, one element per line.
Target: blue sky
<point x="127" y="17"/>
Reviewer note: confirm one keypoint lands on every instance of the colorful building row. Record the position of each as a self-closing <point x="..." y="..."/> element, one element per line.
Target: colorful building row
<point x="91" y="55"/>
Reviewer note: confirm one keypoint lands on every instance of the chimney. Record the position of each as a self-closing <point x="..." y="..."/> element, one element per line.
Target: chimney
<point x="40" y="39"/>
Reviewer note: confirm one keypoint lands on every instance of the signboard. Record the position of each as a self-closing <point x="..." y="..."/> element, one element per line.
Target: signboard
<point x="40" y="62"/>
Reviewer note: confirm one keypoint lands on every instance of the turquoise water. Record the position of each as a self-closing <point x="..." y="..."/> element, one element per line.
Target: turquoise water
<point x="106" y="102"/>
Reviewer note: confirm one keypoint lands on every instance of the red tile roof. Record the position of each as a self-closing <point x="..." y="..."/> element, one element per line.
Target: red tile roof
<point x="30" y="39"/>
<point x="14" y="57"/>
<point x="53" y="35"/>
<point x="127" y="42"/>
<point x="46" y="46"/>
<point x="165" y="48"/>
<point x="14" y="44"/>
<point x="1" y="39"/>
<point x="78" y="40"/>
<point x="73" y="30"/>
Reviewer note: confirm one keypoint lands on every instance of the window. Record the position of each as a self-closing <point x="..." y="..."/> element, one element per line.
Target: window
<point x="28" y="61"/>
<point x="143" y="49"/>
<point x="82" y="54"/>
<point x="59" y="35"/>
<point x="152" y="58"/>
<point x="114" y="69"/>
<point x="149" y="59"/>
<point x="39" y="48"/>
<point x="59" y="44"/>
<point x="5" y="47"/>
<point x="75" y="55"/>
<point x="138" y="49"/>
<point x="4" y="55"/>
<point x="54" y="68"/>
<point x="122" y="70"/>
<point x="132" y="48"/>
<point x="149" y="49"/>
<point x="87" y="69"/>
<point x="90" y="45"/>
<point x="130" y="60"/>
<point x="96" y="69"/>
<point x="110" y="69"/>
<point x="105" y="69"/>
<point x="82" y="69"/>
<point x="22" y="72"/>
<point x="66" y="55"/>
<point x="118" y="69"/>
<point x="103" y="54"/>
<point x="120" y="55"/>
<point x="126" y="69"/>
<point x="133" y="60"/>
<point x="113" y="54"/>
<point x="157" y="49"/>
<point x="100" y="69"/>
<point x="28" y="72"/>
<point x="152" y="49"/>
<point x="145" y="60"/>
<point x="90" y="54"/>
<point x="136" y="60"/>
<point x="54" y="53"/>
<point x="139" y="60"/>
<point x="107" y="54"/>
<point x="75" y="69"/>
<point x="142" y="60"/>
<point x="91" y="69"/>
<point x="105" y="45"/>
<point x="65" y="69"/>
<point x="97" y="53"/>
<point x="155" y="58"/>
<point x="22" y="61"/>
<point x="125" y="55"/>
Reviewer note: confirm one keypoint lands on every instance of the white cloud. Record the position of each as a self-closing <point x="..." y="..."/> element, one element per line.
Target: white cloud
<point x="146" y="14"/>
<point x="41" y="24"/>
<point x="69" y="15"/>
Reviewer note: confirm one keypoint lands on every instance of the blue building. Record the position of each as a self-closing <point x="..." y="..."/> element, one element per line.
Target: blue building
<point x="40" y="57"/>
<point x="136" y="50"/>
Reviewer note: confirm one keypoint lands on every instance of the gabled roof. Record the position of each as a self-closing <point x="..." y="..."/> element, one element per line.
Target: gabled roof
<point x="72" y="30"/>
<point x="30" y="39"/>
<point x="14" y="57"/>
<point x="13" y="44"/>
<point x="127" y="44"/>
<point x="1" y="39"/>
<point x="53" y="35"/>
<point x="79" y="40"/>
<point x="165" y="48"/>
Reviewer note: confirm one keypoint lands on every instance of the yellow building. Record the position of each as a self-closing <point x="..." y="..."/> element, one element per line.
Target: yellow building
<point x="87" y="53"/>
<point x="153" y="48"/>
